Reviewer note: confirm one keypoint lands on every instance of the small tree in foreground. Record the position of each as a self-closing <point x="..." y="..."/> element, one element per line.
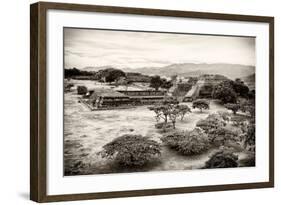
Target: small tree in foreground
<point x="157" y="109"/>
<point x="173" y="115"/>
<point x="132" y="150"/>
<point x="167" y="110"/>
<point x="233" y="107"/>
<point x="201" y="104"/>
<point x="183" y="110"/>
<point x="222" y="159"/>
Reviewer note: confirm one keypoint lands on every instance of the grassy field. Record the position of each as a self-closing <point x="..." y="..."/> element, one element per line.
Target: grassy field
<point x="85" y="132"/>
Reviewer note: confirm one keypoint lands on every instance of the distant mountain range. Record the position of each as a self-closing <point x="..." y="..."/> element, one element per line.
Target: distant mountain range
<point x="231" y="71"/>
<point x="95" y="68"/>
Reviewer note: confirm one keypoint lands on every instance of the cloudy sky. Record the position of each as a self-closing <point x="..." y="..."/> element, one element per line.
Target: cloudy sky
<point x="89" y="47"/>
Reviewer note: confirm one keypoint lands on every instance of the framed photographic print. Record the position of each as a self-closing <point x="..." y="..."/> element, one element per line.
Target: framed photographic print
<point x="134" y="102"/>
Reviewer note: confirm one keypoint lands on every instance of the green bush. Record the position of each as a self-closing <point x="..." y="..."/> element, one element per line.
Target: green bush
<point x="187" y="142"/>
<point x="183" y="110"/>
<point x="132" y="150"/>
<point x="222" y="159"/>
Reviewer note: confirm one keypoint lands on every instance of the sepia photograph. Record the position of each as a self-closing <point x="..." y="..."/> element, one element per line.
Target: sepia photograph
<point x="143" y="101"/>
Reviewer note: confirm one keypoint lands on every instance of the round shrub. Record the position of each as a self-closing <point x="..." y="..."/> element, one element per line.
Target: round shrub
<point x="213" y="121"/>
<point x="222" y="159"/>
<point x="188" y="142"/>
<point x="201" y="104"/>
<point x="82" y="90"/>
<point x="132" y="150"/>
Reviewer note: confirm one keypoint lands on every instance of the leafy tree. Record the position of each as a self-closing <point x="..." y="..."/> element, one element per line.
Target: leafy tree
<point x="161" y="112"/>
<point x="183" y="110"/>
<point x="222" y="159"/>
<point x="201" y="104"/>
<point x="228" y="91"/>
<point x="240" y="88"/>
<point x="113" y="74"/>
<point x="132" y="150"/>
<point x="167" y="110"/>
<point x="82" y="90"/>
<point x="187" y="142"/>
<point x="156" y="82"/>
<point x="166" y="84"/>
<point x="233" y="107"/>
<point x="224" y="91"/>
<point x="173" y="114"/>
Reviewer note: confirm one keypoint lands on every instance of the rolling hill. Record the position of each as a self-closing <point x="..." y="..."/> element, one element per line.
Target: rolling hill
<point x="232" y="71"/>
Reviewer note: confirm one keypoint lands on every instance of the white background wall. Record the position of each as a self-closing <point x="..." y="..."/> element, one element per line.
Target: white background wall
<point x="14" y="103"/>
